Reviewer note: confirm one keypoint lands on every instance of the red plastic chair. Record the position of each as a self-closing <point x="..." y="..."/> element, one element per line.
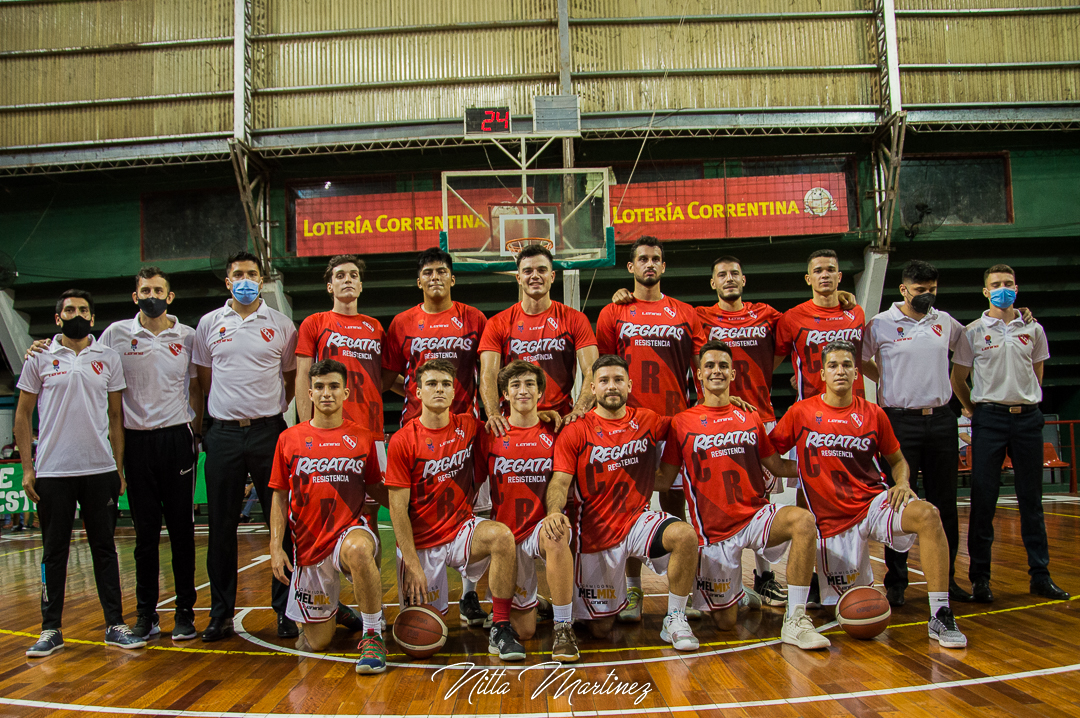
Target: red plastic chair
<point x="1051" y="460"/>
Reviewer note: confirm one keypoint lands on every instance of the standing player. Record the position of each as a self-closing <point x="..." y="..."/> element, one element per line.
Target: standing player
<point x="839" y="436"/>
<point x="610" y="457"/>
<point x="519" y="464"/>
<point x="321" y="469"/>
<point x="550" y="334"/>
<point x="432" y="477"/>
<point x="440" y="328"/>
<point x="659" y="338"/>
<point x="724" y="450"/>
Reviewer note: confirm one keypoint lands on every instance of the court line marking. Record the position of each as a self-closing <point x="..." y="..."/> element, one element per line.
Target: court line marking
<point x="798" y="700"/>
<point x="254" y="562"/>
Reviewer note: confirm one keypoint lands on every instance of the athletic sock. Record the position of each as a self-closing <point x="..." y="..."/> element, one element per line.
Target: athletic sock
<point x="633" y="582"/>
<point x="938" y="599"/>
<point x="762" y="564"/>
<point x="564" y="614"/>
<point x="467" y="585"/>
<point x="796" y="596"/>
<point x="501" y="606"/>
<point x="676" y="603"/>
<point x="372" y="621"/>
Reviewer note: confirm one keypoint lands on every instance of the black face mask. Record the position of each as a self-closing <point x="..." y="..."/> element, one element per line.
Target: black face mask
<point x="75" y="328"/>
<point x="921" y="303"/>
<point x="153" y="307"/>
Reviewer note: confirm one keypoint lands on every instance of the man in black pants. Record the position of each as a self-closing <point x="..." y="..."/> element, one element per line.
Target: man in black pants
<point x="245" y="356"/>
<point x="1006" y="367"/>
<point x="910" y="343"/>
<point x="76" y="385"/>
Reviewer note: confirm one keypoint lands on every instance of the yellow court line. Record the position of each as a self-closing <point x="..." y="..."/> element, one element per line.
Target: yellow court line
<point x="1045" y="513"/>
<point x="974" y="615"/>
<point x="12" y="553"/>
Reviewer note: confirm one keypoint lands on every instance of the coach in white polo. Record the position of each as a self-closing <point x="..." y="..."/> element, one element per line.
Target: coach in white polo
<point x="76" y="387"/>
<point x="1006" y="368"/>
<point x="245" y="355"/>
<point x="910" y="343"/>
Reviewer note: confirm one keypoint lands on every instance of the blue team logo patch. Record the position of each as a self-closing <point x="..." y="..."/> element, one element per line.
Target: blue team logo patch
<point x="817" y="417"/>
<point x="506" y="442"/>
<point x="134" y="344"/>
<point x="988" y="339"/>
<point x="633" y="312"/>
<point x="900" y="331"/>
<point x="704" y="420"/>
<point x="307" y="442"/>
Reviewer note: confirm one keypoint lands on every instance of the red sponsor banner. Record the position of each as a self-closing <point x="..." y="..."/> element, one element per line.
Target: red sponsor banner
<point x="733" y="207"/>
<point x="393" y="222"/>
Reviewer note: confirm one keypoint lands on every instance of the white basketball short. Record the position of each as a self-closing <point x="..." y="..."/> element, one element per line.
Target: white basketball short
<point x="600" y="577"/>
<point x="526" y="582"/>
<point x="483" y="498"/>
<point x="456" y="554"/>
<point x="314" y="591"/>
<point x="719" y="576"/>
<point x="844" y="559"/>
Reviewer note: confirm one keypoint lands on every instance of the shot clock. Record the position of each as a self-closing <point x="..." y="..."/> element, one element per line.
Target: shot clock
<point x="487" y="121"/>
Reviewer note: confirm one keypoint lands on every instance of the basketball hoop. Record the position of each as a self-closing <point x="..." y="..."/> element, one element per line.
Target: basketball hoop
<point x="515" y="246"/>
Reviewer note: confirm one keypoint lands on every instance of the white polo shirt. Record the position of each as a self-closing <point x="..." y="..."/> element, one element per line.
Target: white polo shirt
<point x="248" y="358"/>
<point x="73" y="407"/>
<point x="1005" y="354"/>
<point x="913" y="356"/>
<point x="158" y="370"/>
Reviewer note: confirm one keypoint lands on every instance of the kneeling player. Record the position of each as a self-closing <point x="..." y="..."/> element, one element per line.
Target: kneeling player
<point x="610" y="456"/>
<point x="519" y="464"/>
<point x="724" y="448"/>
<point x="432" y="476"/>
<point x="320" y="470"/>
<point x="838" y="436"/>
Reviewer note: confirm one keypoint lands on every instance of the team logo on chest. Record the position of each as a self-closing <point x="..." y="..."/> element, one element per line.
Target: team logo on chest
<point x="457" y="322"/>
<point x="307" y="442"/>
<point x="521" y="326"/>
<point x="937" y="329"/>
<point x="134" y="344"/>
<point x="267" y="333"/>
<point x="1024" y="338"/>
<point x="739" y="414"/>
<point x="97" y="366"/>
<point x="987" y="339"/>
<point x="56" y="364"/>
<point x="552" y="323"/>
<point x="817" y="417"/>
<point x="670" y="312"/>
<point x="221" y="331"/>
<point x="633" y="425"/>
<point x="704" y="420"/>
<point x="546" y="440"/>
<point x="349" y="441"/>
<point x="430" y="444"/>
<point x="857" y="419"/>
<point x="368" y="326"/>
<point x="633" y="312"/>
<point x="176" y="349"/>
<point x="420" y="325"/>
<point x="460" y="432"/>
<point x="900" y="332"/>
<point x="506" y="442"/>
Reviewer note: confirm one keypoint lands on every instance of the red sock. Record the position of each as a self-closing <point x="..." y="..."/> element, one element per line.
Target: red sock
<point x="501" y="609"/>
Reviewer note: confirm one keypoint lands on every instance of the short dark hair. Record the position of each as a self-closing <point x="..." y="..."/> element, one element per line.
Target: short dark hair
<point x="242" y="256"/>
<point x="821" y="253"/>
<point x="75" y="293"/>
<point x="328" y="366"/>
<point x="431" y="255"/>
<point x="339" y="259"/>
<point x="726" y="259"/>
<point x="714" y="345"/>
<point x="150" y="273"/>
<point x="996" y="269"/>
<point x="610" y="360"/>
<point x="840" y="345"/>
<point x="916" y="271"/>
<point x="435" y="365"/>
<point x="517" y="368"/>
<point x="535" y="250"/>
<point x="646" y="241"/>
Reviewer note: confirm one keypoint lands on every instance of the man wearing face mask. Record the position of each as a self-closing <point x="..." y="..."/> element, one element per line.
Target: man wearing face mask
<point x="1006" y="367"/>
<point x="245" y="356"/>
<point x="76" y="387"/>
<point x="910" y="342"/>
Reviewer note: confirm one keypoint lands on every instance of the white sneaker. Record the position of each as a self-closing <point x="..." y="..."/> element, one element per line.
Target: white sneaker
<point x="677" y="632"/>
<point x="750" y="600"/>
<point x="799" y="631"/>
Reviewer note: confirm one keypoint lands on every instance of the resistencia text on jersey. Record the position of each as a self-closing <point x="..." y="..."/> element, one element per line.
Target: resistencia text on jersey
<point x="448" y="464"/>
<point x="528" y="471"/>
<point x="329" y="470"/>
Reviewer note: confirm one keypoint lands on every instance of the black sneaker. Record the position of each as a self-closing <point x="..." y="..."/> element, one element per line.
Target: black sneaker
<point x="120" y="635"/>
<point x="146" y="626"/>
<point x="469" y="610"/>
<point x="503" y="642"/>
<point x="50" y="642"/>
<point x="349" y="618"/>
<point x="895" y="596"/>
<point x="286" y="627"/>
<point x="184" y="625"/>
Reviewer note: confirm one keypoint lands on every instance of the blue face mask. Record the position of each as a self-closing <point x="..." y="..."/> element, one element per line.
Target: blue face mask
<point x="245" y="291"/>
<point x="1002" y="297"/>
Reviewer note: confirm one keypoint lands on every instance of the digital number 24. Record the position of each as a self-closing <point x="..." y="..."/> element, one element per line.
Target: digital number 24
<point x="497" y="118"/>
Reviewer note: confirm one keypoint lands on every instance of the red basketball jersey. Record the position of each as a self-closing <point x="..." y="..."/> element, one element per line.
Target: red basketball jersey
<point x="440" y="468"/>
<point x="751" y="334"/>
<point x="659" y="340"/>
<point x="324" y="471"/>
<point x="355" y="341"/>
<point x="519" y="465"/>
<point x="550" y="340"/>
<point x="416" y="336"/>
<point x="838" y="463"/>
<point x="721" y="448"/>
<point x="804" y="330"/>
<point x="614" y="467"/>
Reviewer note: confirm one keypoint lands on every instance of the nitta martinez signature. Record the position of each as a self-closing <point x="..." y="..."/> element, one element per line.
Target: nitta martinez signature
<point x="493" y="682"/>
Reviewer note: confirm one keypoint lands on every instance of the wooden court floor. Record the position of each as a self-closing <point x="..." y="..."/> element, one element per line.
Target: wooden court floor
<point x="1022" y="658"/>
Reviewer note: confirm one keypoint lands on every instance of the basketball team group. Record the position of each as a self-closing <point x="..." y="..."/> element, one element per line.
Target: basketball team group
<point x="582" y="428"/>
